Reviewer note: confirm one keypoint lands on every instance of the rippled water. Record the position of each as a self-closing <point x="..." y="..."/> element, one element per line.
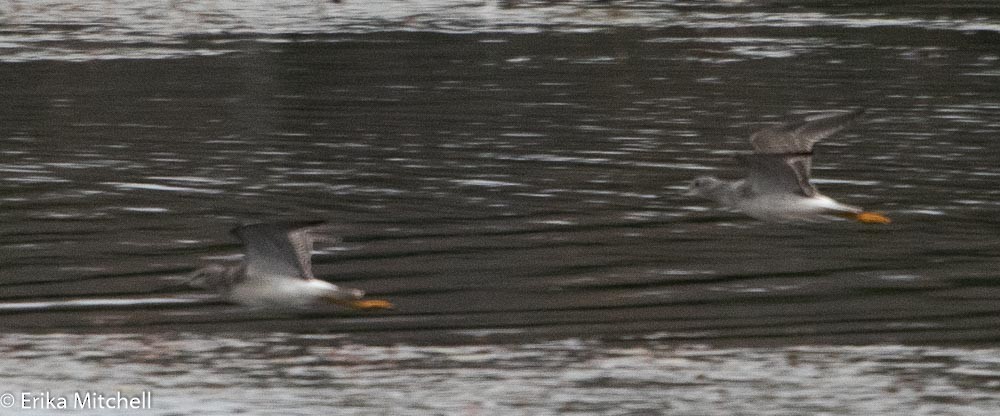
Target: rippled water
<point x="509" y="174"/>
<point x="292" y="375"/>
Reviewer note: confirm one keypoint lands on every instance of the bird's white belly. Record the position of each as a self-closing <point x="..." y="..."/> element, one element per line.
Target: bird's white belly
<point x="791" y="207"/>
<point x="280" y="293"/>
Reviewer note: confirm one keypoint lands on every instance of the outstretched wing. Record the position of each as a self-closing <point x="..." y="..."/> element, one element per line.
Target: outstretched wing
<point x="799" y="136"/>
<point x="278" y="249"/>
<point x="778" y="174"/>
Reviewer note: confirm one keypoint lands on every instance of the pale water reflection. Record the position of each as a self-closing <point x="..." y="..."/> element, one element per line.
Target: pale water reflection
<point x="289" y="374"/>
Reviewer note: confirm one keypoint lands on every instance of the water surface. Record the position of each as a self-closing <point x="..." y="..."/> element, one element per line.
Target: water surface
<point x="510" y="174"/>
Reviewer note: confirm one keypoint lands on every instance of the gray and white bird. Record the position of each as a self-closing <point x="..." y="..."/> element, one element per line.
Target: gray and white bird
<point x="276" y="271"/>
<point x="778" y="188"/>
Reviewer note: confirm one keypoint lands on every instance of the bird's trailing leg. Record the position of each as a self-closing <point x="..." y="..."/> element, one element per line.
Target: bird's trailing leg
<point x="360" y="304"/>
<point x="867" y="217"/>
<point x="368" y="304"/>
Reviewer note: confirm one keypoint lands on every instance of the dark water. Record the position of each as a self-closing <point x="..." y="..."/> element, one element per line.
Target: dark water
<point x="508" y="174"/>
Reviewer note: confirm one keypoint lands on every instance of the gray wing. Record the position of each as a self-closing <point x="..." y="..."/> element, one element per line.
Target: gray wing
<point x="799" y="136"/>
<point x="778" y="174"/>
<point x="278" y="249"/>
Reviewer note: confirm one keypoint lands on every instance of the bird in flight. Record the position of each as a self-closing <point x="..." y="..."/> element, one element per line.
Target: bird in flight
<point x="777" y="187"/>
<point x="276" y="271"/>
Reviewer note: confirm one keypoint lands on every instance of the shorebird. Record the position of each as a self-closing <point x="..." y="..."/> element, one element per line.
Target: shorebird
<point x="276" y="271"/>
<point x="778" y="188"/>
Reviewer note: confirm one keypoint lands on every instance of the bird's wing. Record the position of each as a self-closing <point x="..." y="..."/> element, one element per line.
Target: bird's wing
<point x="778" y="174"/>
<point x="799" y="136"/>
<point x="278" y="249"/>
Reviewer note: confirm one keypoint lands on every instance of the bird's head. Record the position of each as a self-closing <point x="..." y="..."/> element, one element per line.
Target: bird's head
<point x="207" y="277"/>
<point x="703" y="186"/>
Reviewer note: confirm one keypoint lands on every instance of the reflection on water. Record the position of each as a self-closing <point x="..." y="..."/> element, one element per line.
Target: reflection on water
<point x="508" y="174"/>
<point x="289" y="374"/>
<point x="64" y="30"/>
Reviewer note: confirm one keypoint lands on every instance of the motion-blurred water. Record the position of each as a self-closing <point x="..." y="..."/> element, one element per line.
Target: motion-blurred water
<point x="511" y="175"/>
<point x="283" y="374"/>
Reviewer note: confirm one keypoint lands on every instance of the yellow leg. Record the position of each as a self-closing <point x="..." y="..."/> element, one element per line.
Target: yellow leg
<point x="365" y="304"/>
<point x="866" y="217"/>
<point x="360" y="304"/>
<point x="871" y="218"/>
